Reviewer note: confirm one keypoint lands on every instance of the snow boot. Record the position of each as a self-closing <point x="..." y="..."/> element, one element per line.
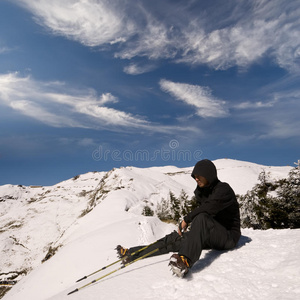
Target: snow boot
<point x="179" y="265"/>
<point x="124" y="254"/>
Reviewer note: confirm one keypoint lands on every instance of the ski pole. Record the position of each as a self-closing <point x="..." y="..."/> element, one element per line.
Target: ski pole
<point x="94" y="281"/>
<point x="105" y="267"/>
<point x="135" y="260"/>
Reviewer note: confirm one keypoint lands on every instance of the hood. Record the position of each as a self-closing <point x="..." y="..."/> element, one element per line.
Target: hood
<point x="207" y="169"/>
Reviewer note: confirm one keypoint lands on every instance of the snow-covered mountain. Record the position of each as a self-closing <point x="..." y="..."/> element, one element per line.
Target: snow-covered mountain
<point x="75" y="225"/>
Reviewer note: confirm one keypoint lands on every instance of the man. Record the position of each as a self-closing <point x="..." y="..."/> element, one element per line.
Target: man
<point x="215" y="223"/>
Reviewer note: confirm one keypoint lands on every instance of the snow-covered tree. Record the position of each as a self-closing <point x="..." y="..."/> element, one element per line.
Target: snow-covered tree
<point x="289" y="198"/>
<point x="175" y="207"/>
<point x="163" y="210"/>
<point x="272" y="204"/>
<point x="184" y="203"/>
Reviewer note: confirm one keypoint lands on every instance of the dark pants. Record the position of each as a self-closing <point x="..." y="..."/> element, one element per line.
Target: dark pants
<point x="205" y="233"/>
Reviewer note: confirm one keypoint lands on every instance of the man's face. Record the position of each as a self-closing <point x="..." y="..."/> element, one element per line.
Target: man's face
<point x="201" y="181"/>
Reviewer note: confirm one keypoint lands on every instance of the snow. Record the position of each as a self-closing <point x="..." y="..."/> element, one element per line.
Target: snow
<point x="265" y="265"/>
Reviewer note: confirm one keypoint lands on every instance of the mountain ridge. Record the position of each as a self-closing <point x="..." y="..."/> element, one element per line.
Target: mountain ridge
<point x="36" y="222"/>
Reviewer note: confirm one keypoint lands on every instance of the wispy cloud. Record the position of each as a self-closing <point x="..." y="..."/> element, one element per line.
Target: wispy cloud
<point x="4" y="49"/>
<point x="239" y="36"/>
<point x="201" y="98"/>
<point x="276" y="118"/>
<point x="135" y="69"/>
<point x="92" y="23"/>
<point x="266" y="28"/>
<point x="58" y="105"/>
<point x="255" y="105"/>
<point x="154" y="40"/>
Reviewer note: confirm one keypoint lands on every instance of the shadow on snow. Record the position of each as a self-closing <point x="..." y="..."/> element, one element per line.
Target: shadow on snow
<point x="213" y="254"/>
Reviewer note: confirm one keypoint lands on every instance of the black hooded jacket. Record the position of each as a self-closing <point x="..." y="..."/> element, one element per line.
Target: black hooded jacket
<point x="216" y="199"/>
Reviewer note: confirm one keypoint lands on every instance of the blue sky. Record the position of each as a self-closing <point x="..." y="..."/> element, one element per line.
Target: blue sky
<point x="90" y="85"/>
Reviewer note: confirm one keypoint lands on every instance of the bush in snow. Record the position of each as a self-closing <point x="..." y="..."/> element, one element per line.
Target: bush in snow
<point x="272" y="204"/>
<point x="174" y="209"/>
<point x="289" y="197"/>
<point x="147" y="211"/>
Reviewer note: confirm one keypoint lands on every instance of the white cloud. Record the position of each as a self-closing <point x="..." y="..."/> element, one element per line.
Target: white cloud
<point x="55" y="104"/>
<point x="92" y="23"/>
<point x="135" y="69"/>
<point x="36" y="111"/>
<point x="267" y="29"/>
<point x="255" y="105"/>
<point x="196" y="96"/>
<point x="153" y="41"/>
<point x="224" y="48"/>
<point x="238" y="34"/>
<point x="51" y="104"/>
<point x="107" y="98"/>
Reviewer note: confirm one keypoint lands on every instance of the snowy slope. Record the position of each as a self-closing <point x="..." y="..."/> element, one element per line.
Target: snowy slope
<point x="34" y="219"/>
<point x="265" y="266"/>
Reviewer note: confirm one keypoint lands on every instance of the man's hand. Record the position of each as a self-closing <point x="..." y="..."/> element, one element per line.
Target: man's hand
<point x="182" y="227"/>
